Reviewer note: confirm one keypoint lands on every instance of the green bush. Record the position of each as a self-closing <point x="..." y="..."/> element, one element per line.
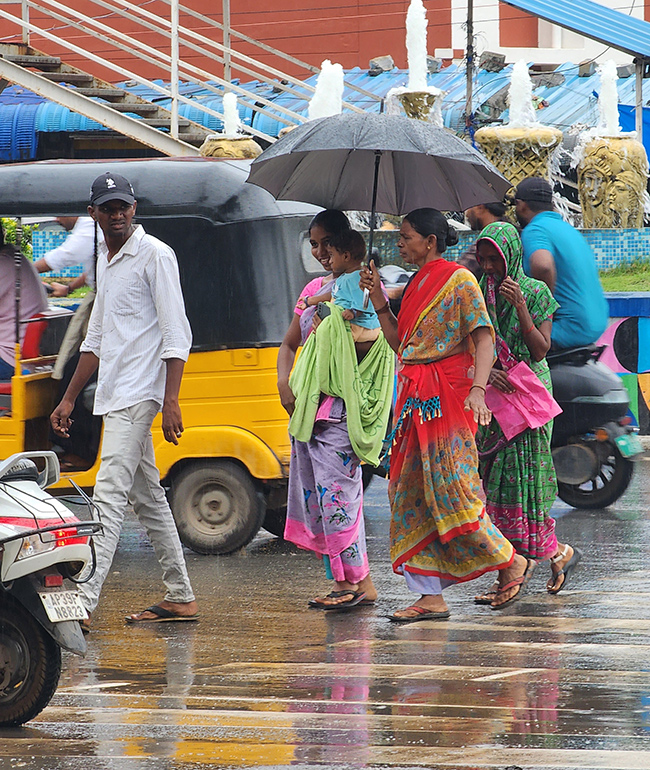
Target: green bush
<point x="10" y="228"/>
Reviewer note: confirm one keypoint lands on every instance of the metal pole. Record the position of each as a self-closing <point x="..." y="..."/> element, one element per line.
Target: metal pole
<point x="174" y="69"/>
<point x="24" y="12"/>
<point x="227" y="75"/>
<point x="640" y="67"/>
<point x="469" y="74"/>
<point x="18" y="263"/>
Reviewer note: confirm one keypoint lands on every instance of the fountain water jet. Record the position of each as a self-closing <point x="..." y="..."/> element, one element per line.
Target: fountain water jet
<point x="417" y="99"/>
<point x="328" y="96"/>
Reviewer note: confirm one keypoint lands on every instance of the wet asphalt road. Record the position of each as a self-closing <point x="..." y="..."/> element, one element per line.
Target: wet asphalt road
<point x="549" y="683"/>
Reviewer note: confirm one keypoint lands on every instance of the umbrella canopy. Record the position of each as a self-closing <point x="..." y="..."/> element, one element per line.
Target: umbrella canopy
<point x="331" y="162"/>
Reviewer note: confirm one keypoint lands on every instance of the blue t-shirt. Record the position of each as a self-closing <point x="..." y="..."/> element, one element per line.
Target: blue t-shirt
<point x="583" y="312"/>
<point x="347" y="294"/>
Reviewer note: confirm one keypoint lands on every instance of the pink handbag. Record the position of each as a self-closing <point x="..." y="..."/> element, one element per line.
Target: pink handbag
<point x="530" y="406"/>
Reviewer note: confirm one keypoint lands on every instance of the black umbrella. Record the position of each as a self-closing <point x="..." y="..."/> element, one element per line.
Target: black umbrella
<point x="376" y="162"/>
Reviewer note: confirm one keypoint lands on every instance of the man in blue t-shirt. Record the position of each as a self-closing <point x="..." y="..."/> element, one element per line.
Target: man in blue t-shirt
<point x="556" y="253"/>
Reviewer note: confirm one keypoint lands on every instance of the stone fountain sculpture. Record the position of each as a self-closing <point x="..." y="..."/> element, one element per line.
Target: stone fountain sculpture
<point x="231" y="143"/>
<point x="523" y="147"/>
<point x="612" y="166"/>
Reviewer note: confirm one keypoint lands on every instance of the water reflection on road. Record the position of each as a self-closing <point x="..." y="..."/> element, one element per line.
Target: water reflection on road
<point x="551" y="682"/>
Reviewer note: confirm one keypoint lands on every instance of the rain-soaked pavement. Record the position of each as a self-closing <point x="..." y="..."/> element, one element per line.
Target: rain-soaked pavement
<point x="551" y="682"/>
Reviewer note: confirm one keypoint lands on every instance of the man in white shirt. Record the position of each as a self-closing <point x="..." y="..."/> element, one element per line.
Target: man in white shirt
<point x="140" y="338"/>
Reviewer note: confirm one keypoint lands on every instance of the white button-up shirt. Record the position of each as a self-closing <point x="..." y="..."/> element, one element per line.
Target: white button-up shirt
<point x="78" y="249"/>
<point x="138" y="321"/>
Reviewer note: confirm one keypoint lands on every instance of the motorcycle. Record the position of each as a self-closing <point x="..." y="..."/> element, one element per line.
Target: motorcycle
<point x="594" y="445"/>
<point x="43" y="546"/>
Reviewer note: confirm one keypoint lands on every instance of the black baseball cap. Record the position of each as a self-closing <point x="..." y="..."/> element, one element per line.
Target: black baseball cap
<point x="111" y="187"/>
<point x="534" y="188"/>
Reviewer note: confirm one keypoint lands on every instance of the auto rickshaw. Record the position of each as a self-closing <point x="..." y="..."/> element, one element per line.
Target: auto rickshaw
<point x="243" y="259"/>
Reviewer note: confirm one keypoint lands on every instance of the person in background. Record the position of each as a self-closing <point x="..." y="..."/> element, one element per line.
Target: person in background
<point x="477" y="218"/>
<point x="79" y="451"/>
<point x="556" y="253"/>
<point x="77" y="249"/>
<point x="440" y="532"/>
<point x="140" y="338"/>
<point x="32" y="301"/>
<point x="518" y="475"/>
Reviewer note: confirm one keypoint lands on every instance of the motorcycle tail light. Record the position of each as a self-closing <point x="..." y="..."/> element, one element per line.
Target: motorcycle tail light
<point x="53" y="581"/>
<point x="601" y="434"/>
<point x="625" y="420"/>
<point x="68" y="537"/>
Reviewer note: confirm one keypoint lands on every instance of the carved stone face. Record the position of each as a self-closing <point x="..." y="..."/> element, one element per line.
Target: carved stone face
<point x="624" y="199"/>
<point x="594" y="183"/>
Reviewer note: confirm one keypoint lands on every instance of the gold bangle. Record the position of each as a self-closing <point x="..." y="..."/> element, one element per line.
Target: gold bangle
<point x="384" y="308"/>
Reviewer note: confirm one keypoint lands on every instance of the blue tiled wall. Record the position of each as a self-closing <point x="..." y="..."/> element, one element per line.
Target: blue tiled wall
<point x="611" y="247"/>
<point x="45" y="239"/>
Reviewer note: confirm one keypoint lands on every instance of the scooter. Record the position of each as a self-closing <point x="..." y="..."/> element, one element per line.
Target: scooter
<point x="594" y="445"/>
<point x="43" y="546"/>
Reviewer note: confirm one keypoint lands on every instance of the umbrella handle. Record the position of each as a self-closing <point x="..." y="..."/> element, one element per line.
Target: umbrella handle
<point x="373" y="209"/>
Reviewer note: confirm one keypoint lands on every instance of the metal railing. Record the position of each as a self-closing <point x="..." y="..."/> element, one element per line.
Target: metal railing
<point x="171" y="64"/>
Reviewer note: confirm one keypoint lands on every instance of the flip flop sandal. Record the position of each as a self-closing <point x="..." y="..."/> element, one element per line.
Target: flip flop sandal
<point x="521" y="581"/>
<point x="161" y="616"/>
<point x="488" y="596"/>
<point x="566" y="571"/>
<point x="357" y="598"/>
<point x="423" y="614"/>
<point x="85" y="626"/>
<point x="317" y="605"/>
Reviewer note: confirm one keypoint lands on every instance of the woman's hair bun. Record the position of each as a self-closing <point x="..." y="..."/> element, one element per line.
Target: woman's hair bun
<point x="452" y="236"/>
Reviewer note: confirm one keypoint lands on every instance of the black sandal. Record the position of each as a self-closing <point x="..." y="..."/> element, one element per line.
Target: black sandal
<point x="357" y="598"/>
<point x="566" y="570"/>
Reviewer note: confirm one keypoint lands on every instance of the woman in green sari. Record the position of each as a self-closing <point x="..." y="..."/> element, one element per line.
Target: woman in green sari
<point x="518" y="476"/>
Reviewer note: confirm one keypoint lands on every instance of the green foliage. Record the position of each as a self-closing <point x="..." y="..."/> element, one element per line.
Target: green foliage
<point x="9" y="228"/>
<point x="631" y="276"/>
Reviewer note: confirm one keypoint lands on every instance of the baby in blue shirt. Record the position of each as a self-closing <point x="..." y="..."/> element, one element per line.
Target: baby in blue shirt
<point x="347" y="252"/>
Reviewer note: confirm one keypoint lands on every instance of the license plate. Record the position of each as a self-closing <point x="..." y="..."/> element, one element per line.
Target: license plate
<point x="629" y="445"/>
<point x="63" y="605"/>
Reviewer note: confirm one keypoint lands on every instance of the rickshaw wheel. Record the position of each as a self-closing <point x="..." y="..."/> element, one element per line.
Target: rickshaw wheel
<point x="216" y="506"/>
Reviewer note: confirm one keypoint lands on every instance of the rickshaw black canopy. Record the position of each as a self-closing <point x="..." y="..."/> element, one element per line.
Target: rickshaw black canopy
<point x="239" y="250"/>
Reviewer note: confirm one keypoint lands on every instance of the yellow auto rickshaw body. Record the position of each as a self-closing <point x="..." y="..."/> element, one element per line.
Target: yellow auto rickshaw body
<point x="243" y="258"/>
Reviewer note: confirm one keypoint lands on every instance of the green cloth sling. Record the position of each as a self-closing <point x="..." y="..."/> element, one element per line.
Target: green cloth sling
<point x="328" y="364"/>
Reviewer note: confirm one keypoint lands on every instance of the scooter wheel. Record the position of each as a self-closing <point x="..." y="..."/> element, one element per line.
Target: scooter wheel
<point x="614" y="476"/>
<point x="30" y="664"/>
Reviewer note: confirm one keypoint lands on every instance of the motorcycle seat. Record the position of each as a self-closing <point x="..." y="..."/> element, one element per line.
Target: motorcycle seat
<point x="575" y="356"/>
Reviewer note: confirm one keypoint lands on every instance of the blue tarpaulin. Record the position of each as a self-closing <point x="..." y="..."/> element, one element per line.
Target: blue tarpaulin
<point x="627" y="119"/>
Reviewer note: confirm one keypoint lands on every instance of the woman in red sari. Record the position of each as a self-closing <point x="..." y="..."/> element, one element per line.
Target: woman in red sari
<point x="440" y="532"/>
